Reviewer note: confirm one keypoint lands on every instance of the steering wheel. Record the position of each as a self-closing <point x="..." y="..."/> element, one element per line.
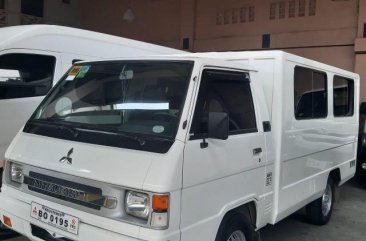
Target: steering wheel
<point x="164" y="115"/>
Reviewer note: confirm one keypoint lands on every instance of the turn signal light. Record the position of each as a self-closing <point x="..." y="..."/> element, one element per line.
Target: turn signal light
<point x="7" y="221"/>
<point x="160" y="203"/>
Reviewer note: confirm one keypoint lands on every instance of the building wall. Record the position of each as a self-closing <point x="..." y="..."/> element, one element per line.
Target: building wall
<point x="330" y="31"/>
<point x="157" y="21"/>
<point x="324" y="30"/>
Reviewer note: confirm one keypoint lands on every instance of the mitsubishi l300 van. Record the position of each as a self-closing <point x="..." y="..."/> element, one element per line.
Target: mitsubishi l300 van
<point x="182" y="148"/>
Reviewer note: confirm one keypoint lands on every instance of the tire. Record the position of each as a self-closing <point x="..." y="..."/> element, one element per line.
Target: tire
<point x="319" y="211"/>
<point x="237" y="228"/>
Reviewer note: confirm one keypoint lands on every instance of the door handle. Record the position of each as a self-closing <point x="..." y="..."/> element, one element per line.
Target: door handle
<point x="257" y="151"/>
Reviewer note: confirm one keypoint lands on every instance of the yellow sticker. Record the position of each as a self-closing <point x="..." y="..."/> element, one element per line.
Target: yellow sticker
<point x="75" y="70"/>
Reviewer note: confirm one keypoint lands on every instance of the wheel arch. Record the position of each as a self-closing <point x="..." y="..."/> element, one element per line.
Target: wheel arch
<point x="335" y="174"/>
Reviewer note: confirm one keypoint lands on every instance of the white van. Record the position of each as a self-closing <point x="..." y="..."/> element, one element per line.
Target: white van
<point x="33" y="58"/>
<point x="182" y="148"/>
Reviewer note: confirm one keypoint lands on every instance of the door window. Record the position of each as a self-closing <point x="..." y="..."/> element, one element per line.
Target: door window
<point x="224" y="91"/>
<point x="25" y="75"/>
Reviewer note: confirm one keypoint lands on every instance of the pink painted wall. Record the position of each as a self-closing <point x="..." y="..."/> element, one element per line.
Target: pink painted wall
<point x="157" y="21"/>
<point x="332" y="32"/>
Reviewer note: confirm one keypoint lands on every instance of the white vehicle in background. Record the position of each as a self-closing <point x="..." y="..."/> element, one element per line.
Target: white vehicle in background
<point x="33" y="58"/>
<point x="202" y="147"/>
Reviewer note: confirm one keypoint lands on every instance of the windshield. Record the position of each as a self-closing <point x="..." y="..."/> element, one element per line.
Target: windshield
<point x="138" y="99"/>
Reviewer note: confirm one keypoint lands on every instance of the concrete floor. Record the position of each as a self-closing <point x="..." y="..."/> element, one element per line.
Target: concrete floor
<point x="348" y="222"/>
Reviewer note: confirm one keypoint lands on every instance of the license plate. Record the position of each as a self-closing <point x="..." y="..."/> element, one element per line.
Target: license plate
<point x="55" y="218"/>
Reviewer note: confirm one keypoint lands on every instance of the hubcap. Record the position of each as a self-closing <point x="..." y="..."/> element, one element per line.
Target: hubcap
<point x="327" y="200"/>
<point x="237" y="236"/>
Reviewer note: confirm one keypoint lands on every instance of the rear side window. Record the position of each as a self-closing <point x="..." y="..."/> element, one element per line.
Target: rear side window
<point x="310" y="94"/>
<point x="343" y="96"/>
<point x="224" y="91"/>
<point x="25" y="75"/>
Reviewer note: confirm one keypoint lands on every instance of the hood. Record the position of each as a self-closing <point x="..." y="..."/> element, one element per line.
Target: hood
<point x="123" y="167"/>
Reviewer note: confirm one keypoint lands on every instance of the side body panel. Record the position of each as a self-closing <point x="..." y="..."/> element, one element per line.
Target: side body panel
<point x="311" y="149"/>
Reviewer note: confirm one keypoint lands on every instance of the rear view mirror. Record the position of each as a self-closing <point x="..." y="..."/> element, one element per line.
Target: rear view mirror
<point x="7" y="75"/>
<point x="218" y="125"/>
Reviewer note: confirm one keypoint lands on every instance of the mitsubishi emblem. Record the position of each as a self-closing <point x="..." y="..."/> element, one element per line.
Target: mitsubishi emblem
<point x="67" y="158"/>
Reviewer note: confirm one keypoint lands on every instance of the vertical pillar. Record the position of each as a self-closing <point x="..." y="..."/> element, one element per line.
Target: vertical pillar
<point x="187" y="23"/>
<point x="14" y="12"/>
<point x="360" y="48"/>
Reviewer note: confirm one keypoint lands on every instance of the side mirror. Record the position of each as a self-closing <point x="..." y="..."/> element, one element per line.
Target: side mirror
<point x="218" y="125"/>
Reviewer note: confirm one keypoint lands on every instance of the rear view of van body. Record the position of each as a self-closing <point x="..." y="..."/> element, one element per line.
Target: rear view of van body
<point x="204" y="147"/>
<point x="33" y="58"/>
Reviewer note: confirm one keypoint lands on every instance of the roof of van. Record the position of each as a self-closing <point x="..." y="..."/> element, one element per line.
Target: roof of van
<point x="72" y="40"/>
<point x="268" y="54"/>
<point x="209" y="62"/>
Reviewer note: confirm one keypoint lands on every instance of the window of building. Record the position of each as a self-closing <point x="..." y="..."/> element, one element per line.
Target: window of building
<point x="229" y="92"/>
<point x="302" y="8"/>
<point x="32" y="7"/>
<point x="243" y="14"/>
<point x="234" y="15"/>
<point x="219" y="18"/>
<point x="312" y="7"/>
<point x="272" y="11"/>
<point x="310" y="92"/>
<point x="227" y="16"/>
<point x="343" y="96"/>
<point x="25" y="75"/>
<point x="2" y="4"/>
<point x="292" y="9"/>
<point x="251" y="14"/>
<point x="282" y="9"/>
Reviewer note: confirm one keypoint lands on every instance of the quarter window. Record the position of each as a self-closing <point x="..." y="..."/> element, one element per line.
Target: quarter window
<point x="25" y="75"/>
<point x="343" y="96"/>
<point x="310" y="94"/>
<point x="224" y="91"/>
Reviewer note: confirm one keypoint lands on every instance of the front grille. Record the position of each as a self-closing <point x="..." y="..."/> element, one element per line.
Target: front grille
<point x="44" y="235"/>
<point x="77" y="193"/>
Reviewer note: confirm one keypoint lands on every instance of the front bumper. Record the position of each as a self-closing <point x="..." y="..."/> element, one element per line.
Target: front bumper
<point x="91" y="227"/>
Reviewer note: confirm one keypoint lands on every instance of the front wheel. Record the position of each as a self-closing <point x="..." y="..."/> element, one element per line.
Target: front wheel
<point x="319" y="211"/>
<point x="237" y="228"/>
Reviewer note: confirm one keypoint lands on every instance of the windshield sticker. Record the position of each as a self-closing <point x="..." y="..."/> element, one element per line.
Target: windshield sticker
<point x="70" y="77"/>
<point x="75" y="70"/>
<point x="83" y="71"/>
<point x="158" y="129"/>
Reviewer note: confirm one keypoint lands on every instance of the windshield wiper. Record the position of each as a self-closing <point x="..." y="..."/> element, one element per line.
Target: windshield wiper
<point x="61" y="126"/>
<point x="113" y="131"/>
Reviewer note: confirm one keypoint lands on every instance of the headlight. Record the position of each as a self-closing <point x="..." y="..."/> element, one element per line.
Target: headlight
<point x="138" y="204"/>
<point x="16" y="173"/>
